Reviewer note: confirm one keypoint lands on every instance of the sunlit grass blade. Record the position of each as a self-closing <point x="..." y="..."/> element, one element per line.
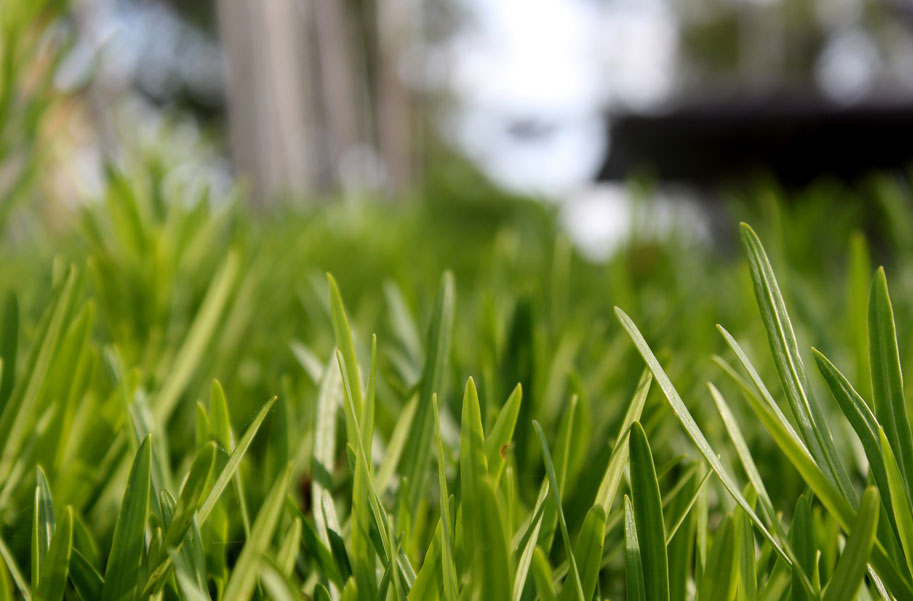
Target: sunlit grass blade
<point x="288" y="550"/>
<point x="346" y="345"/>
<point x="648" y="514"/>
<point x="634" y="571"/>
<point x="573" y="578"/>
<point x="887" y="379"/>
<point x="55" y="567"/>
<point x="851" y="567"/>
<point x="42" y="523"/>
<point x="244" y="574"/>
<point x="416" y="457"/>
<point x="122" y="571"/>
<point x="788" y="361"/>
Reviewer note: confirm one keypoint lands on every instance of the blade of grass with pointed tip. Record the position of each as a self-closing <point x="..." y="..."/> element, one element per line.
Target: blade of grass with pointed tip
<point x="887" y="378"/>
<point x="346" y="345"/>
<point x="634" y="570"/>
<point x="127" y="546"/>
<point x="692" y="429"/>
<point x="687" y="509"/>
<point x="648" y="514"/>
<point x="244" y="575"/>
<point x="574" y="575"/>
<point x="502" y="432"/>
<point x="234" y="461"/>
<point x="416" y="457"/>
<point x="862" y="420"/>
<point x="42" y="523"/>
<point x="55" y="568"/>
<point x="785" y="350"/>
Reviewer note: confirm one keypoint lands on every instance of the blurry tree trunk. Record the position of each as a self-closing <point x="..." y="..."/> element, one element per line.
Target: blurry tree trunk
<point x="316" y="100"/>
<point x="272" y="125"/>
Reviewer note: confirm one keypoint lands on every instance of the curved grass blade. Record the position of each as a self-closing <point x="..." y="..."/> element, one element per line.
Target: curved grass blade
<point x="785" y="350"/>
<point x="634" y="571"/>
<point x="122" y="571"/>
<point x="887" y="378"/>
<point x="55" y="568"/>
<point x="648" y="514"/>
<point x="851" y="567"/>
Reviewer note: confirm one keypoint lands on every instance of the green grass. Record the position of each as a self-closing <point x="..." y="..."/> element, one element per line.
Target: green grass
<point x="191" y="408"/>
<point x="561" y="472"/>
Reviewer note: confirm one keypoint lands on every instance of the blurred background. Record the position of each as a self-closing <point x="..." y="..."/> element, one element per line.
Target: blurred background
<point x="567" y="101"/>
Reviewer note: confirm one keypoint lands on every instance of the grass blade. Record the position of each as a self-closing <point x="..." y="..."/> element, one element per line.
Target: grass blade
<point x="574" y="576"/>
<point x="502" y="432"/>
<point x="785" y="350"/>
<point x="42" y="524"/>
<point x="634" y="571"/>
<point x="887" y="379"/>
<point x="648" y="514"/>
<point x="417" y="454"/>
<point x="234" y="461"/>
<point x="122" y="571"/>
<point x="244" y="575"/>
<point x="85" y="578"/>
<point x="449" y="567"/>
<point x="55" y="568"/>
<point x="588" y="552"/>
<point x="903" y="510"/>
<point x="608" y="488"/>
<point x="851" y="567"/>
<point x="526" y="558"/>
